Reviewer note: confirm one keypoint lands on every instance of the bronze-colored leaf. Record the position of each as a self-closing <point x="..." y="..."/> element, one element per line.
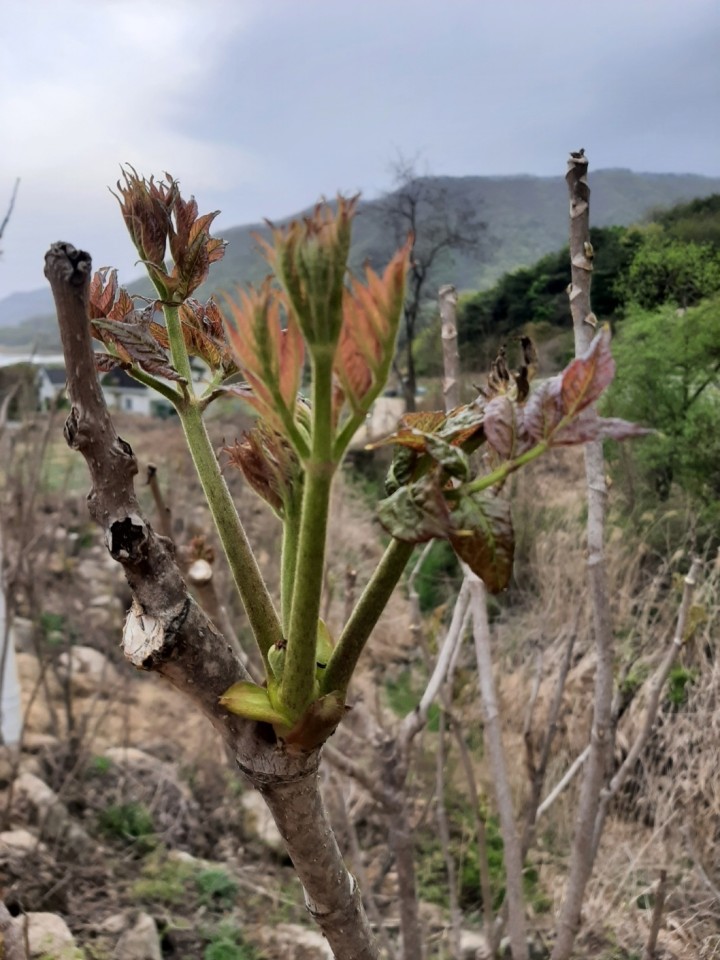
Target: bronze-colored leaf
<point x="587" y="376"/>
<point x="483" y="538"/>
<point x="103" y="290"/>
<point x="464" y="424"/>
<point x="588" y="426"/>
<point x="105" y="362"/>
<point x="500" y="426"/>
<point x="136" y="341"/>
<point x="543" y="411"/>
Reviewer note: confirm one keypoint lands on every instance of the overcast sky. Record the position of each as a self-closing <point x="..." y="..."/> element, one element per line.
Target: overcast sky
<point x="260" y="106"/>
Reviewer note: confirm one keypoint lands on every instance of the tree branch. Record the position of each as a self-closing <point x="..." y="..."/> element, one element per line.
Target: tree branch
<point x="11" y="205"/>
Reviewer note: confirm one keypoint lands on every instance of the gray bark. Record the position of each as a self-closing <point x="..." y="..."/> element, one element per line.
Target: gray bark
<point x="600" y="754"/>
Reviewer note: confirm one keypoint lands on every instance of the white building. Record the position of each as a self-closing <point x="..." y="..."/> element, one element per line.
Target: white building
<point x="51" y="386"/>
<point x="124" y="393"/>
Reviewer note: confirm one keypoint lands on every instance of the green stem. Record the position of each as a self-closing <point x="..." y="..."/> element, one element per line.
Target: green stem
<point x="365" y="616"/>
<point x="297" y="441"/>
<point x="298" y="680"/>
<point x="505" y="469"/>
<point x="243" y="566"/>
<point x="291" y="530"/>
<point x="178" y="351"/>
<point x="347" y="432"/>
<point x="158" y="386"/>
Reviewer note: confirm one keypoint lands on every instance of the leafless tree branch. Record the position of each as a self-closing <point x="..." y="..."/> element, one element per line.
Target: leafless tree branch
<point x="11" y="206"/>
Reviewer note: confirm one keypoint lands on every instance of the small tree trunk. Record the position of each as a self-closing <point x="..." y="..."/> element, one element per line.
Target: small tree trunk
<point x="596" y="769"/>
<point x="400" y="837"/>
<point x="410" y="381"/>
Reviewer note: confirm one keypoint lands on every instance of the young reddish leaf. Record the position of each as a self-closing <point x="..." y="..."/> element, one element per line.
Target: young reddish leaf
<point x="417" y="512"/>
<point x="412" y="430"/>
<point x="103" y="290"/>
<point x="543" y="410"/>
<point x="290" y="351"/>
<point x="270" y="358"/>
<point x="269" y="465"/>
<point x="371" y="316"/>
<point x="588" y="426"/>
<point x="145" y="207"/>
<point x="192" y="247"/>
<point x="464" y="424"/>
<point x="123" y="308"/>
<point x="253" y="702"/>
<point x="197" y="341"/>
<point x="105" y="362"/>
<point x="483" y="538"/>
<point x="500" y="426"/>
<point x="140" y="347"/>
<point x="587" y="376"/>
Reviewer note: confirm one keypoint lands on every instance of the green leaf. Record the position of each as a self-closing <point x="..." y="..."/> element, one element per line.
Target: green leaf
<point x="325" y="644"/>
<point x="483" y="538"/>
<point x="253" y="702"/>
<point x="401" y="469"/>
<point x="451" y="458"/>
<point x="417" y="512"/>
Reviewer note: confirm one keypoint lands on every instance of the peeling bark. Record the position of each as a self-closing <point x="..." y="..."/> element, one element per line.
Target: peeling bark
<point x="600" y="752"/>
<point x="169" y="633"/>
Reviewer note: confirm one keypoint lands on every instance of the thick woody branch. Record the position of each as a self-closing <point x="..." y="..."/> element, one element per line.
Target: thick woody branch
<point x="166" y="630"/>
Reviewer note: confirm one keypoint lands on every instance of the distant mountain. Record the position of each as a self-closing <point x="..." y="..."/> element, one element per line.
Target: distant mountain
<point x="526" y="217"/>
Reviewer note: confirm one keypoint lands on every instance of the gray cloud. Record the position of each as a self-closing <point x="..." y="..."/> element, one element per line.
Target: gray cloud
<point x="261" y="107"/>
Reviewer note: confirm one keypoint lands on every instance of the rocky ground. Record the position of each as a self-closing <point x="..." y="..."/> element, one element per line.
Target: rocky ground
<point x="125" y="832"/>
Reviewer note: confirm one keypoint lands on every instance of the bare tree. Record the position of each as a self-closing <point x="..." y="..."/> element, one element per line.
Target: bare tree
<point x="11" y="205"/>
<point x="420" y="205"/>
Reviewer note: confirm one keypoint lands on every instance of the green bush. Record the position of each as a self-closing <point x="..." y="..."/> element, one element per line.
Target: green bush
<point x="227" y="943"/>
<point x="439" y="576"/>
<point x="131" y="822"/>
<point x="216" y="888"/>
<point x="163" y="881"/>
<point x="432" y="874"/>
<point x="98" y="766"/>
<point x="403" y="696"/>
<point x="679" y="680"/>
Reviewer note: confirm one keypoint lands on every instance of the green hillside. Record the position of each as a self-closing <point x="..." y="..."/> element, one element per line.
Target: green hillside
<point x="525" y="217"/>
